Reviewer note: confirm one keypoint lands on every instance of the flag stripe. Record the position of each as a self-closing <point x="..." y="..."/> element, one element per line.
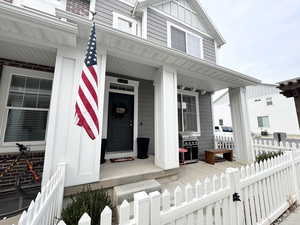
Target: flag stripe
<point x="84" y="123"/>
<point x="90" y="87"/>
<point x="90" y="77"/>
<point x="89" y="108"/>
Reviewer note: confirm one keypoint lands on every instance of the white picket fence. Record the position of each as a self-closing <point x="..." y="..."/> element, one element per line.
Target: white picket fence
<point x="47" y="206"/>
<point x="268" y="145"/>
<point x="224" y="142"/>
<point x="265" y="189"/>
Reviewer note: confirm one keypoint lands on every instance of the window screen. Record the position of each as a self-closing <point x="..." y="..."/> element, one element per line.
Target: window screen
<point x="125" y="25"/>
<point x="178" y="39"/>
<point x="27" y="105"/>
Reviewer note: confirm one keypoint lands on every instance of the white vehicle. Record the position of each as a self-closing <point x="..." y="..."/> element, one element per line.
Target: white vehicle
<point x="223" y="130"/>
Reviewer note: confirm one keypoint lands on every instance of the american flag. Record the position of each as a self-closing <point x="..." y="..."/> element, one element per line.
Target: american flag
<point x="86" y="108"/>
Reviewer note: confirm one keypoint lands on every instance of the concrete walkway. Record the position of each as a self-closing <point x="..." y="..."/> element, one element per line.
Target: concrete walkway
<point x="293" y="218"/>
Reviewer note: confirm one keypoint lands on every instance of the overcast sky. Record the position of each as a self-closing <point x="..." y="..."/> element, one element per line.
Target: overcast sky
<point x="262" y="36"/>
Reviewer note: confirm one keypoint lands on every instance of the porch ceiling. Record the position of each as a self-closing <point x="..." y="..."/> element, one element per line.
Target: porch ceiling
<point x="27" y="53"/>
<point x="139" y="50"/>
<point x="31" y="26"/>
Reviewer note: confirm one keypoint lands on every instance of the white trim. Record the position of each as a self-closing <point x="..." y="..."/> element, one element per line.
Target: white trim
<point x="135" y="85"/>
<point x="7" y="74"/>
<point x="196" y="95"/>
<point x="169" y="43"/>
<point x="182" y="22"/>
<point x="145" y="23"/>
<point x="92" y="8"/>
<point x="136" y="26"/>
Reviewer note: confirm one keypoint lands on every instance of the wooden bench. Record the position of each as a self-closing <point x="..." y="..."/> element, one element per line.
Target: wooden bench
<point x="210" y="155"/>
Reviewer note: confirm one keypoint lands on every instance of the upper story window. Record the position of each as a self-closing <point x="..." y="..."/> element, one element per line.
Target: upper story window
<point x="185" y="41"/>
<point x="269" y="101"/>
<point x="263" y="121"/>
<point x="126" y="24"/>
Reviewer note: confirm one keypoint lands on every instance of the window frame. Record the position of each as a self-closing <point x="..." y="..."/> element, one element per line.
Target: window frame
<point x="7" y="79"/>
<point x="117" y="16"/>
<point x="169" y="39"/>
<point x="196" y="95"/>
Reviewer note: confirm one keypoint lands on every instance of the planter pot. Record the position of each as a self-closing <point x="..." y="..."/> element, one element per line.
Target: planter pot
<point x="103" y="150"/>
<point x="142" y="147"/>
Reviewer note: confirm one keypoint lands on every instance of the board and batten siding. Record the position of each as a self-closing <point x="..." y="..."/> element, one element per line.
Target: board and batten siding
<point x="145" y="108"/>
<point x="157" y="33"/>
<point x="105" y="9"/>
<point x="206" y="140"/>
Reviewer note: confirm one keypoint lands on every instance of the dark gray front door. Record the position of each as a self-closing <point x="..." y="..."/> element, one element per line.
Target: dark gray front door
<point x="120" y="122"/>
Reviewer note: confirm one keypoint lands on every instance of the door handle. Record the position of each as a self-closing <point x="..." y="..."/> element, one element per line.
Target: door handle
<point x="130" y="124"/>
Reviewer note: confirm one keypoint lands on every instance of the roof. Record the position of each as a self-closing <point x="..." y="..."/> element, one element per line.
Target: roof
<point x="202" y="13"/>
<point x="288" y="82"/>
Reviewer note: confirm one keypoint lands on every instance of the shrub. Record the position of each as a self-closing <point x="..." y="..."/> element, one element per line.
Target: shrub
<point x="267" y="155"/>
<point x="91" y="202"/>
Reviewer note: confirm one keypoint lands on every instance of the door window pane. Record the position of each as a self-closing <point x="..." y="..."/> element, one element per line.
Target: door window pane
<point x="178" y="39"/>
<point x="187" y="113"/>
<point x="25" y="125"/>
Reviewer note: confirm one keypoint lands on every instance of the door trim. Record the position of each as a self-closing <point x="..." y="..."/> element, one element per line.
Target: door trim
<point x="135" y="84"/>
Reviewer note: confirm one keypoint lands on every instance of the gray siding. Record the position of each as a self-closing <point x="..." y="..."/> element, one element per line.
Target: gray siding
<point x="206" y="140"/>
<point x="157" y="33"/>
<point x="145" y="108"/>
<point x="104" y="9"/>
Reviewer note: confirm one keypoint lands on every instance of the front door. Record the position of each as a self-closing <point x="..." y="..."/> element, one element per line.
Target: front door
<point x="120" y="123"/>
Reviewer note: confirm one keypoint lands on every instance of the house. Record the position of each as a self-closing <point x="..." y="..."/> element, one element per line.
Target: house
<point x="157" y="59"/>
<point x="268" y="110"/>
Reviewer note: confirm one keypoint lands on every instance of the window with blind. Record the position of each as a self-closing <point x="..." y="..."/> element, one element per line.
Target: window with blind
<point x="263" y="121"/>
<point x="27" y="108"/>
<point x="185" y="41"/>
<point x="188" y="113"/>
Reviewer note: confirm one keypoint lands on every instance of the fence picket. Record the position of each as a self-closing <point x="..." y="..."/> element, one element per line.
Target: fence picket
<point x="124" y="212"/>
<point x="155" y="208"/>
<point x="142" y="208"/>
<point x="166" y="201"/>
<point x="85" y="219"/>
<point x="178" y="200"/>
<point x="105" y="217"/>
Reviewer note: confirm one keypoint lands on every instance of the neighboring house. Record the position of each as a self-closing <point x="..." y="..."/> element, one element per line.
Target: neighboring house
<point x="157" y="59"/>
<point x="268" y="110"/>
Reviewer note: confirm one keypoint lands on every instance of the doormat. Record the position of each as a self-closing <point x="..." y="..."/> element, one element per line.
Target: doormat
<point x="122" y="159"/>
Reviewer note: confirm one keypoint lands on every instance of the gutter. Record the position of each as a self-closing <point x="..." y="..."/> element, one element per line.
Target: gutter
<point x="100" y="27"/>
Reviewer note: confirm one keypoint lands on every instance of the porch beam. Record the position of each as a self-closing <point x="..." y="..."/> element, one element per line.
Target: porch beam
<point x="166" y="118"/>
<point x="240" y="122"/>
<point x="66" y="142"/>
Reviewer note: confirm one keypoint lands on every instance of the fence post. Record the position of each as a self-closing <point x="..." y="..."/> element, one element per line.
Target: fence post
<point x="62" y="167"/>
<point x="141" y="208"/>
<point x="235" y="201"/>
<point x="154" y="208"/>
<point x="295" y="179"/>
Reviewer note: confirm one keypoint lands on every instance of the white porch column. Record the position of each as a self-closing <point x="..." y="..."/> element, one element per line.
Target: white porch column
<point x="65" y="141"/>
<point x="166" y="118"/>
<point x="240" y="122"/>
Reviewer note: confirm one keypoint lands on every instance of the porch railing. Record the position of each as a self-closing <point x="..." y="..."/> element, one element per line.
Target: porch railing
<point x="255" y="194"/>
<point x="47" y="206"/>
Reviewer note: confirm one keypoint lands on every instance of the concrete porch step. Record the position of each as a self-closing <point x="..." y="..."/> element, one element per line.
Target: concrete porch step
<point x="126" y="191"/>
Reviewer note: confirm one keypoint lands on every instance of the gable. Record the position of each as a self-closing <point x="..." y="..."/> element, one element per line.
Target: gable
<point x="183" y="11"/>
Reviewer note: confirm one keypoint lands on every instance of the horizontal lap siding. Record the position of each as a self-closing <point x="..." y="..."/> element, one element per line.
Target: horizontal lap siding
<point x="209" y="50"/>
<point x="104" y="9"/>
<point x="206" y="140"/>
<point x="157" y="33"/>
<point x="157" y="28"/>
